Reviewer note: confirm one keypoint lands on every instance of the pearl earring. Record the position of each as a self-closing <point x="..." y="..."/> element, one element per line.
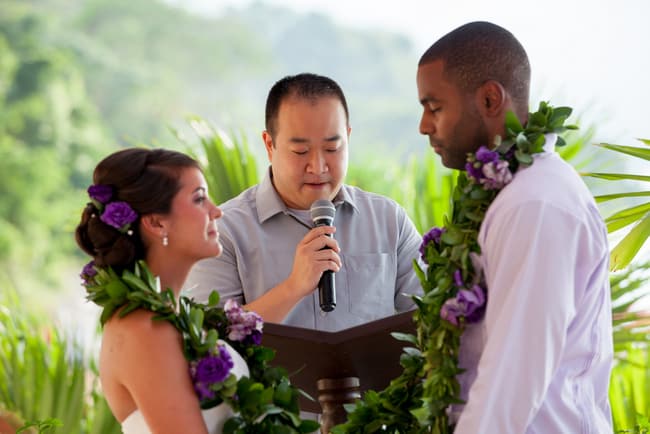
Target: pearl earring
<point x="165" y="240"/>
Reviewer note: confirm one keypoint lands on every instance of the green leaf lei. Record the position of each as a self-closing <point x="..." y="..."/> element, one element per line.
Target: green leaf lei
<point x="417" y="401"/>
<point x="265" y="402"/>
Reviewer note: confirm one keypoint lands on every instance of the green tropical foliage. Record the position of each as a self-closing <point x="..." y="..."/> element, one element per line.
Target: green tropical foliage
<point x="230" y="167"/>
<point x="46" y="375"/>
<point x="638" y="215"/>
<point x="628" y="392"/>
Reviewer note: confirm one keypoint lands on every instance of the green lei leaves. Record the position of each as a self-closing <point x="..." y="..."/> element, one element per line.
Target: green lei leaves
<point x="417" y="400"/>
<point x="265" y="402"/>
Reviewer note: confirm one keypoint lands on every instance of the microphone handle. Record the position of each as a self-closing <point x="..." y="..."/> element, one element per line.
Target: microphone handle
<point x="326" y="288"/>
<point x="327" y="292"/>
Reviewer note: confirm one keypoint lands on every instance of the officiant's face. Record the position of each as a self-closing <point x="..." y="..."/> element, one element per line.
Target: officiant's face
<point x="309" y="150"/>
<point x="450" y="117"/>
<point x="191" y="224"/>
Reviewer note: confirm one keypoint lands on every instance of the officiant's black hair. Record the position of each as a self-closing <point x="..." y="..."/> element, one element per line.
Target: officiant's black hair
<point x="146" y="179"/>
<point x="480" y="51"/>
<point x="305" y="86"/>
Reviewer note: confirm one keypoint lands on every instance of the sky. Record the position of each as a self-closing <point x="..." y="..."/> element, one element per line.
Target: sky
<point x="591" y="55"/>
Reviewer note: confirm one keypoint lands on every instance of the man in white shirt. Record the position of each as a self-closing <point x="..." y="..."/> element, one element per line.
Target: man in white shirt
<point x="540" y="359"/>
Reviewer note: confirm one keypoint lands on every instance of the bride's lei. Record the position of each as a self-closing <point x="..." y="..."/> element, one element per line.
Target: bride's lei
<point x="455" y="294"/>
<point x="264" y="402"/>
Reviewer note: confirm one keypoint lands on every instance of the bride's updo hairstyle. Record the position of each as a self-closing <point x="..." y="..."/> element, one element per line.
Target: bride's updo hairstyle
<point x="147" y="181"/>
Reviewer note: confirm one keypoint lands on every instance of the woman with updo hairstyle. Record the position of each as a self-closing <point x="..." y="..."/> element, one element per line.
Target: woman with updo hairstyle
<point x="150" y="205"/>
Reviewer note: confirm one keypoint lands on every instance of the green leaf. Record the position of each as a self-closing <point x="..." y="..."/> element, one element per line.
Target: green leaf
<point x="512" y="122"/>
<point x="213" y="299"/>
<point x="627" y="248"/>
<point x="452" y="236"/>
<point x="607" y="197"/>
<point x="642" y="153"/>
<point x="405" y="337"/>
<point x="116" y="289"/>
<point x="617" y="176"/>
<point x="523" y="158"/>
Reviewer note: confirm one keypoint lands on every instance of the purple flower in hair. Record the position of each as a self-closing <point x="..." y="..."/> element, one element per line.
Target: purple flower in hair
<point x="244" y="325"/>
<point x="88" y="272"/>
<point x="469" y="303"/>
<point x="100" y="193"/>
<point x="119" y="215"/>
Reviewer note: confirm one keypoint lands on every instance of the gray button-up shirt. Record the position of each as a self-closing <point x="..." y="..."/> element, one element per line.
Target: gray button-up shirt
<point x="259" y="234"/>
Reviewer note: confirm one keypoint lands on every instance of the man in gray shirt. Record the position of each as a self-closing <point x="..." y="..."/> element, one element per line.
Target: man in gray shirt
<point x="272" y="256"/>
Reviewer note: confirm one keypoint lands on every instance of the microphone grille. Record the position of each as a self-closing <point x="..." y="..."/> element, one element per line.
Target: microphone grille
<point x="322" y="208"/>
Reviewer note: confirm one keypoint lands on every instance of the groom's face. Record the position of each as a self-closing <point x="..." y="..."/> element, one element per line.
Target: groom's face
<point x="449" y="117"/>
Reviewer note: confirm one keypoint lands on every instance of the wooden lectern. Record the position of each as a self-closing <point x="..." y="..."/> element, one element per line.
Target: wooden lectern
<point x="336" y="367"/>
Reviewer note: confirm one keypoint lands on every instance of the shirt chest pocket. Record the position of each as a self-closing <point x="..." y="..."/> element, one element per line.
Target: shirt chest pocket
<point x="370" y="284"/>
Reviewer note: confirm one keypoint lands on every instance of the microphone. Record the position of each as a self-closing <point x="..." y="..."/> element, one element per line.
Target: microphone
<point x="322" y="214"/>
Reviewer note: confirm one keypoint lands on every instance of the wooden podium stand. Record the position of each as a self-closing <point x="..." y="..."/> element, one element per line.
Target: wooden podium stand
<point x="336" y="367"/>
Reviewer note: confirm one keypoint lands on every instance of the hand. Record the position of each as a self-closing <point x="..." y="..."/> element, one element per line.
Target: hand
<point x="313" y="258"/>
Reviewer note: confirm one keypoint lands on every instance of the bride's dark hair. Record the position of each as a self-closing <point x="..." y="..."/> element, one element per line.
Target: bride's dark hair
<point x="147" y="180"/>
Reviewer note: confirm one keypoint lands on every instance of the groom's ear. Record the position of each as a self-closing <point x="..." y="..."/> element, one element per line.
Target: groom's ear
<point x="491" y="99"/>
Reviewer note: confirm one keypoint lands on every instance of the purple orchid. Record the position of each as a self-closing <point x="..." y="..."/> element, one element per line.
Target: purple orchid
<point x="119" y="215"/>
<point x="433" y="235"/>
<point x="496" y="175"/>
<point x="244" y="325"/>
<point x="211" y="369"/>
<point x="486" y="167"/>
<point x="100" y="193"/>
<point x="88" y="272"/>
<point x="469" y="303"/>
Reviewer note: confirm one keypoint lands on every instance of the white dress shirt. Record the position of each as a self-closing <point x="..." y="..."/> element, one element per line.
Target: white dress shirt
<point x="540" y="360"/>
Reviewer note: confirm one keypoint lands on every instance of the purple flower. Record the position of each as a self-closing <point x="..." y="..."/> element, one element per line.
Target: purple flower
<point x="88" y="272"/>
<point x="496" y="175"/>
<point x="458" y="278"/>
<point x="118" y="215"/>
<point x="255" y="338"/>
<point x="487" y="167"/>
<point x="433" y="235"/>
<point x="474" y="170"/>
<point x="101" y="193"/>
<point x="484" y="155"/>
<point x="243" y="324"/>
<point x="469" y="303"/>
<point x="213" y="368"/>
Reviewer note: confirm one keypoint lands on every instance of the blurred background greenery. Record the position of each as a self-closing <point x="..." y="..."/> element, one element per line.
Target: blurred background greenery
<point x="80" y="79"/>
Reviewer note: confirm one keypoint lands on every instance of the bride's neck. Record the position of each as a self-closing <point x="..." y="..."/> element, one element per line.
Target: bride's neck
<point x="172" y="272"/>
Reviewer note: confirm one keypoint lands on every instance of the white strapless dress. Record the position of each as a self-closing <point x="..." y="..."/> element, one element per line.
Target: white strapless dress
<point x="214" y="417"/>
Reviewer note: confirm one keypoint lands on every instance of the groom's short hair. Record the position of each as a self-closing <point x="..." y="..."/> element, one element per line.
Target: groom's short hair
<point x="480" y="51"/>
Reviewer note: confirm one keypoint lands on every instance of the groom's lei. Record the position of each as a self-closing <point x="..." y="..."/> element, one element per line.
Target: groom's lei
<point x="418" y="400"/>
<point x="265" y="402"/>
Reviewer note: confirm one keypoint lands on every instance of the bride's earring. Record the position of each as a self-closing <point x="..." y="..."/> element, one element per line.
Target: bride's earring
<point x="165" y="240"/>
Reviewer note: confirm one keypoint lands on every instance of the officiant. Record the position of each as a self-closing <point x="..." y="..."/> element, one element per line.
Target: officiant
<point x="273" y="256"/>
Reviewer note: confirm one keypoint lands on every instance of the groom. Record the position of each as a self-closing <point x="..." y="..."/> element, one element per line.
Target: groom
<point x="540" y="359"/>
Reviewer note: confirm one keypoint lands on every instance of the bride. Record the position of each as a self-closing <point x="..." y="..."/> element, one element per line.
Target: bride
<point x="149" y="212"/>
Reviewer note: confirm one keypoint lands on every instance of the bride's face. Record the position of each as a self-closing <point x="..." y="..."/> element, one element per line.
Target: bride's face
<point x="192" y="228"/>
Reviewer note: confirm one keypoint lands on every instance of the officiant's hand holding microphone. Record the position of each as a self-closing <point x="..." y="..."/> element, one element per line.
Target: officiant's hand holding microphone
<point x="317" y="258"/>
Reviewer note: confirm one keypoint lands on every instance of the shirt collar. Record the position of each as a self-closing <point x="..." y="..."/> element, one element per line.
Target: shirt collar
<point x="269" y="203"/>
<point x="549" y="144"/>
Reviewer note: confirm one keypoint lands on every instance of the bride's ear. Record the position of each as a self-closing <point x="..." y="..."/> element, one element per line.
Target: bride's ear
<point x="153" y="226"/>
